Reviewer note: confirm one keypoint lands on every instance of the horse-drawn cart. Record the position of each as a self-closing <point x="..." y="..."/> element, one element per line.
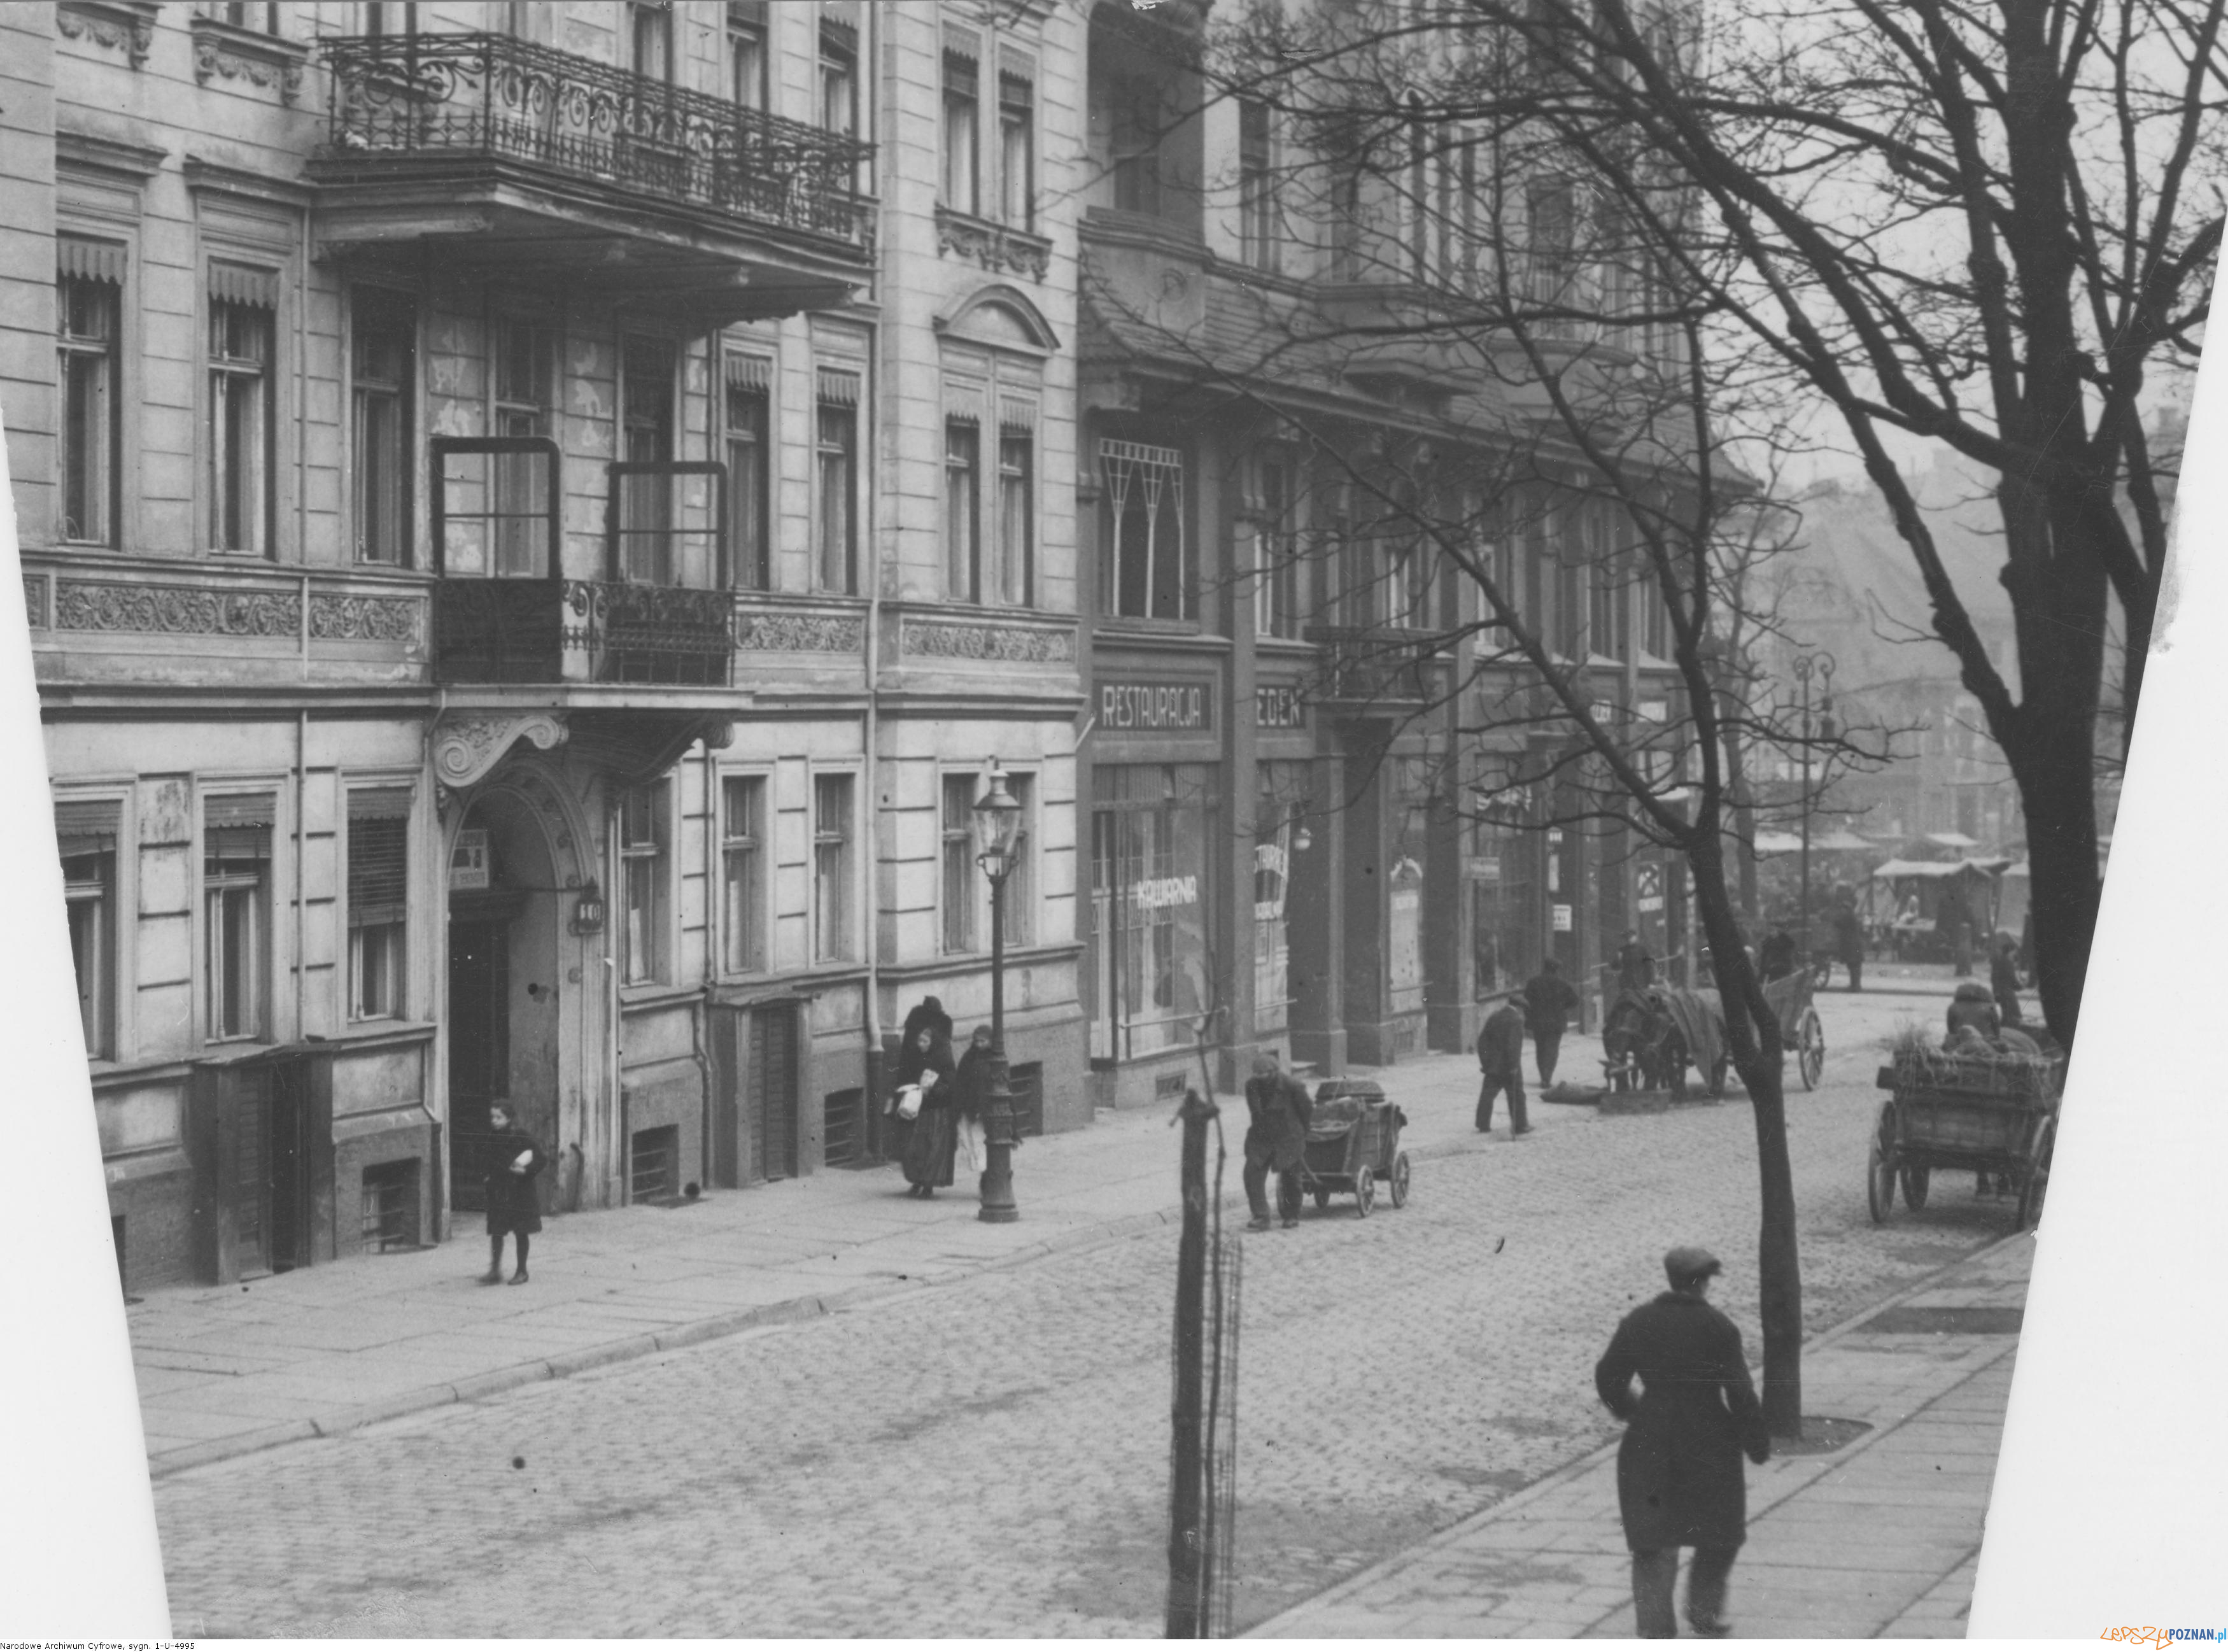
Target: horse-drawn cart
<point x="1995" y="1114"/>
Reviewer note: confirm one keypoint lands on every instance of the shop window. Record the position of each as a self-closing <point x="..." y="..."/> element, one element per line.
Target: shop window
<point x="742" y="872"/>
<point x="236" y="914"/>
<point x="746" y="53"/>
<point x="750" y="380"/>
<point x="1151" y="893"/>
<point x="835" y="530"/>
<point x="831" y="867"/>
<point x="1017" y="145"/>
<point x="963" y="505"/>
<point x="88" y="310"/>
<point x="379" y="901"/>
<point x="957" y="829"/>
<point x="1148" y="574"/>
<point x="963" y="105"/>
<point x="240" y="432"/>
<point x="643" y="832"/>
<point x="87" y="833"/>
<point x="1275" y="825"/>
<point x="382" y="361"/>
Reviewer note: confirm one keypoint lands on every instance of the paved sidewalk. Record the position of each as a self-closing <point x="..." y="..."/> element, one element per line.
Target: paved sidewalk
<point x="1881" y="1538"/>
<point x="323" y="1350"/>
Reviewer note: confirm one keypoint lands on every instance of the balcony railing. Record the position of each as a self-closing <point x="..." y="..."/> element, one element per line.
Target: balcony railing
<point x="492" y="95"/>
<point x="580" y="630"/>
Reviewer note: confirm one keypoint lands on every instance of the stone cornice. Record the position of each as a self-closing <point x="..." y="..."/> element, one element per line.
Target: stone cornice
<point x="997" y="247"/>
<point x="89" y="150"/>
<point x="127" y="24"/>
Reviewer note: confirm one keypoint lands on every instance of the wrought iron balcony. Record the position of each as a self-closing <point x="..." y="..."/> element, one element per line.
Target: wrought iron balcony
<point x="493" y="97"/>
<point x="580" y="630"/>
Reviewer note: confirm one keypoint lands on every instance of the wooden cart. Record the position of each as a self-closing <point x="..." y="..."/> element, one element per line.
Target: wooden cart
<point x="1353" y="1145"/>
<point x="1995" y="1116"/>
<point x="1800" y="1029"/>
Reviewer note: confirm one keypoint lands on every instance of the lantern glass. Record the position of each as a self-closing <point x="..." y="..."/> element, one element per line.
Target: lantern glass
<point x="997" y="823"/>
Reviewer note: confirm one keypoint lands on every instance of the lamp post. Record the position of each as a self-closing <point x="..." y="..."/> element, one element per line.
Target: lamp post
<point x="1819" y="664"/>
<point x="997" y="823"/>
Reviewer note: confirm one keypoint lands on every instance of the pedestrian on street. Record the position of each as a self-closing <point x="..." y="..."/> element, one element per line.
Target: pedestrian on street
<point x="1679" y="1479"/>
<point x="1548" y="1002"/>
<point x="932" y="1144"/>
<point x="2003" y="977"/>
<point x="1636" y="969"/>
<point x="972" y="1094"/>
<point x="1500" y="1066"/>
<point x="1774" y="960"/>
<point x="1849" y="942"/>
<point x="514" y="1200"/>
<point x="1276" y="1139"/>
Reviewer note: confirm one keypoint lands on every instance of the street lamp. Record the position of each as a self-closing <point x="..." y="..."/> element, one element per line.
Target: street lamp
<point x="998" y="824"/>
<point x="1819" y="664"/>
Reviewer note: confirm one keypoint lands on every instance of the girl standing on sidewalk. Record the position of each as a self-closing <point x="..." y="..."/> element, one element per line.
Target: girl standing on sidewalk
<point x="514" y="1202"/>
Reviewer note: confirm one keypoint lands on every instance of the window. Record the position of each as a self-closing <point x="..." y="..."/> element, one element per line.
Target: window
<point x="379" y="900"/>
<point x="1147" y="571"/>
<point x="236" y="912"/>
<point x="1276" y="590"/>
<point x="653" y="39"/>
<point x="1135" y="119"/>
<point x="959" y="894"/>
<point x="835" y="532"/>
<point x="1257" y="201"/>
<point x="260" y="16"/>
<point x="831" y="867"/>
<point x="746" y="53"/>
<point x="1017" y="568"/>
<point x="88" y="311"/>
<point x="1017" y="150"/>
<point x="86" y="832"/>
<point x="383" y="17"/>
<point x="742" y="872"/>
<point x="643" y="833"/>
<point x="1551" y="211"/>
<point x="1605" y="607"/>
<point x="1655" y="618"/>
<point x="646" y="404"/>
<point x="962" y="102"/>
<point x="839" y="78"/>
<point x="383" y="354"/>
<point x="962" y="542"/>
<point x="240" y="423"/>
<point x="749" y="470"/>
<point x="523" y="352"/>
<point x="1020" y="886"/>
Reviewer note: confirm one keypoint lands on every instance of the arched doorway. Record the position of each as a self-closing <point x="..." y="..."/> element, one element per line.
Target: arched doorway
<point x="511" y="996"/>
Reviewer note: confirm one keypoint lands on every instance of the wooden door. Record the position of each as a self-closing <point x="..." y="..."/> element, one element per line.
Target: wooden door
<point x="479" y="1049"/>
<point x="769" y="1091"/>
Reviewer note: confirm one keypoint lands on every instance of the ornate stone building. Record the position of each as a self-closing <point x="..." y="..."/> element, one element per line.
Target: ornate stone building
<point x="537" y="521"/>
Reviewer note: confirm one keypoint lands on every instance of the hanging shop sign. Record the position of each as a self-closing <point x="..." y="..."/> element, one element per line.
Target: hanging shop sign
<point x="1651" y="888"/>
<point x="1129" y="705"/>
<point x="1562" y="915"/>
<point x="468" y="862"/>
<point x="1279" y="705"/>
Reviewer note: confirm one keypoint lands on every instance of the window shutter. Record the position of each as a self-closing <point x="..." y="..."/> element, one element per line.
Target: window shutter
<point x="378" y="868"/>
<point x="241" y="284"/>
<point x="236" y="827"/>
<point x="86" y="826"/>
<point x="379" y="802"/>
<point x="1017" y="413"/>
<point x="963" y="402"/>
<point x="87" y="261"/>
<point x="749" y="372"/>
<point x="839" y="387"/>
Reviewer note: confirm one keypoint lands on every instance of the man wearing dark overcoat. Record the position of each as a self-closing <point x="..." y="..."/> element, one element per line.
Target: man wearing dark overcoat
<point x="1549" y="1003"/>
<point x="1276" y="1139"/>
<point x="1679" y="1479"/>
<point x="1501" y="1065"/>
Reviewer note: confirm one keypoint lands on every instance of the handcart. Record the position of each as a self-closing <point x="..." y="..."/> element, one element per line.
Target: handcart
<point x="1995" y="1114"/>
<point x="1353" y="1145"/>
<point x="1800" y="1030"/>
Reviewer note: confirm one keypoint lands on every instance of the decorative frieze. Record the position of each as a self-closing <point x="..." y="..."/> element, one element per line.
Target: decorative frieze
<point x="117" y="24"/>
<point x="177" y="610"/>
<point x="771" y="633"/>
<point x="220" y="50"/>
<point x="364" y="619"/>
<point x="994" y="247"/>
<point x="964" y="640"/>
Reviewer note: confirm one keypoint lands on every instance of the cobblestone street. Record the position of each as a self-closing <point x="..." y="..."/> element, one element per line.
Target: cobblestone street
<point x="991" y="1456"/>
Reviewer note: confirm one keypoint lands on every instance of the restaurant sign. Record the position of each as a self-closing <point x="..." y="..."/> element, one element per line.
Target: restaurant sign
<point x="1127" y="706"/>
<point x="1279" y="706"/>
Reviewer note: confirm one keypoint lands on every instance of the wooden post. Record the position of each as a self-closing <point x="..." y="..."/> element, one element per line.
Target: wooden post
<point x="1187" y="1612"/>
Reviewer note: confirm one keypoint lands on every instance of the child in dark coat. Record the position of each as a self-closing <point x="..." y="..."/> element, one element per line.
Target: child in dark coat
<point x="514" y="1202"/>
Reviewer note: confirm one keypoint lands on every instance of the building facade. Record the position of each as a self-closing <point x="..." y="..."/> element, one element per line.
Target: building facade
<point x="537" y="521"/>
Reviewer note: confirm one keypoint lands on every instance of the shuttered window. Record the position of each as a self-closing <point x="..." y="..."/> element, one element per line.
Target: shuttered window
<point x="378" y="900"/>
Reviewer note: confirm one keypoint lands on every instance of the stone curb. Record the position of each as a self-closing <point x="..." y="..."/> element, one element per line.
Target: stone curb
<point x="1554" y="1479"/>
<point x="556" y="1367"/>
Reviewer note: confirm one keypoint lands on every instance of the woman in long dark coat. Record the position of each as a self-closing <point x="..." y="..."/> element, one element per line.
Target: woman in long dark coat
<point x="972" y="1090"/>
<point x="933" y="1141"/>
<point x="514" y="1200"/>
<point x="1679" y="1479"/>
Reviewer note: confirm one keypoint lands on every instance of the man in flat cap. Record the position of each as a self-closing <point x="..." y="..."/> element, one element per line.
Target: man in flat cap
<point x="1679" y="1479"/>
<point x="1501" y="1065"/>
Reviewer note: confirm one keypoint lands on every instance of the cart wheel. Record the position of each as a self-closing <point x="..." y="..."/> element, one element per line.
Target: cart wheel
<point x="1915" y="1178"/>
<point x="1879" y="1165"/>
<point x="1365" y="1190"/>
<point x="2036" y="1182"/>
<point x="1322" y="1198"/>
<point x="1811" y="1043"/>
<point x="1399" y="1179"/>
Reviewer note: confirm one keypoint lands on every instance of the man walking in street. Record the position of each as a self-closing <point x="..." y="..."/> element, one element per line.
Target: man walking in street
<point x="1849" y="939"/>
<point x="2004" y="981"/>
<point x="1500" y="1066"/>
<point x="1548" y="1001"/>
<point x="1276" y="1139"/>
<point x="1679" y="1479"/>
